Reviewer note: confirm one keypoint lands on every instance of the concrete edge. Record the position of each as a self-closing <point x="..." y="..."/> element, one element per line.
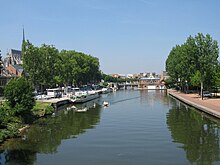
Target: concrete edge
<point x="197" y="106"/>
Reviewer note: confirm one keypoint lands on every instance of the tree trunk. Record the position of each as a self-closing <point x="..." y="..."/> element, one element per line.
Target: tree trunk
<point x="201" y="92"/>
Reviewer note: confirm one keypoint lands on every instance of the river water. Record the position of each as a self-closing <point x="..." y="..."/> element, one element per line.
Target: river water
<point x="139" y="127"/>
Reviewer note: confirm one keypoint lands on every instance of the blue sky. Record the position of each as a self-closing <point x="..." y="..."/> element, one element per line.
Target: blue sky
<point x="128" y="36"/>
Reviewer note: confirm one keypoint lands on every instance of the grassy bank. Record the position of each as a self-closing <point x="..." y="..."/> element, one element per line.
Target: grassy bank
<point x="11" y="125"/>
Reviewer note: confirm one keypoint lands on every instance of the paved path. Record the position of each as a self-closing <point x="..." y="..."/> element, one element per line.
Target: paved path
<point x="208" y="105"/>
<point x="54" y="100"/>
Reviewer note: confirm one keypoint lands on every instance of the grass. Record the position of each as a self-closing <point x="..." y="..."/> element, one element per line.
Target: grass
<point x="41" y="109"/>
<point x="41" y="105"/>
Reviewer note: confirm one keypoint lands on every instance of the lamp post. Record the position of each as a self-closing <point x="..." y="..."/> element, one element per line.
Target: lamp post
<point x="1" y="63"/>
<point x="179" y="84"/>
<point x="186" y="86"/>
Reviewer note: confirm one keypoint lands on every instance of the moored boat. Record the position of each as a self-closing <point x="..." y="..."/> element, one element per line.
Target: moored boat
<point x="85" y="97"/>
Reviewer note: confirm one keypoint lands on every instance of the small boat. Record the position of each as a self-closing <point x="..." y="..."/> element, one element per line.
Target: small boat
<point x="81" y="110"/>
<point x="107" y="90"/>
<point x="70" y="108"/>
<point x="105" y="104"/>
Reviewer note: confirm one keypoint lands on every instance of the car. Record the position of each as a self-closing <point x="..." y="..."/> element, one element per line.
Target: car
<point x="207" y="94"/>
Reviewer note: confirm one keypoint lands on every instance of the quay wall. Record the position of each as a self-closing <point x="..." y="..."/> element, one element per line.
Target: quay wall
<point x="207" y="108"/>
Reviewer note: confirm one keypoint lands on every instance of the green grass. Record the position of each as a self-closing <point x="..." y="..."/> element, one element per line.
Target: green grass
<point x="42" y="108"/>
<point x="41" y="105"/>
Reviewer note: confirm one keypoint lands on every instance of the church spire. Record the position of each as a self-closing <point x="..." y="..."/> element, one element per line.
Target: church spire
<point x="23" y="44"/>
<point x="23" y="35"/>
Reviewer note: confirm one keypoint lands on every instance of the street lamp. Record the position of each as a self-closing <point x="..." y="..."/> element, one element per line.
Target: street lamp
<point x="186" y="86"/>
<point x="179" y="87"/>
<point x="1" y="63"/>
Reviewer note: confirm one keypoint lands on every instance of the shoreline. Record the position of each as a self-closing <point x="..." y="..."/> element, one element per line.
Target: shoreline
<point x="208" y="105"/>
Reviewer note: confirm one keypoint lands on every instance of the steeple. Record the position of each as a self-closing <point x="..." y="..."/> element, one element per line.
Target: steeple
<point x="23" y="36"/>
<point x="23" y="44"/>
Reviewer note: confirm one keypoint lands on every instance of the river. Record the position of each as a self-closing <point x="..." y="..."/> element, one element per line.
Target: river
<point x="139" y="127"/>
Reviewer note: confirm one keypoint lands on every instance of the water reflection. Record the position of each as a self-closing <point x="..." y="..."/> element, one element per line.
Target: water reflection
<point x="149" y="96"/>
<point x="197" y="134"/>
<point x="46" y="135"/>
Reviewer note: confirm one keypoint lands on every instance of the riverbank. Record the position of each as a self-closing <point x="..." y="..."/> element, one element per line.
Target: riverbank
<point x="12" y="125"/>
<point x="208" y="105"/>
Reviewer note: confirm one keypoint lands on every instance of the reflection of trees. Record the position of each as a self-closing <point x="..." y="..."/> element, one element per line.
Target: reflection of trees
<point x="46" y="135"/>
<point x="198" y="134"/>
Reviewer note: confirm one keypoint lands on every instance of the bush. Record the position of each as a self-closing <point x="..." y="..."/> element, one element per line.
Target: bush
<point x="19" y="95"/>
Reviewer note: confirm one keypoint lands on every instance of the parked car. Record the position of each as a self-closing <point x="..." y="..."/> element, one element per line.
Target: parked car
<point x="207" y="94"/>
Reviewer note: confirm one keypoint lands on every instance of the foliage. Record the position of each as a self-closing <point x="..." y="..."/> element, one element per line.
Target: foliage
<point x="217" y="76"/>
<point x="39" y="64"/>
<point x="47" y="67"/>
<point x="109" y="78"/>
<point x="9" y="123"/>
<point x="196" y="78"/>
<point x="194" y="62"/>
<point x="19" y="95"/>
<point x="77" y="68"/>
<point x="42" y="107"/>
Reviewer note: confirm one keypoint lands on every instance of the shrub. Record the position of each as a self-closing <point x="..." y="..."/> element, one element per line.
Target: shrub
<point x="19" y="95"/>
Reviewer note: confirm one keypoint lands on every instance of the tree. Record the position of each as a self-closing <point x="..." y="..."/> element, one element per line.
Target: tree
<point x="39" y="63"/>
<point x="48" y="55"/>
<point x="19" y="95"/>
<point x="47" y="67"/>
<point x="207" y="53"/>
<point x="194" y="61"/>
<point x="32" y="63"/>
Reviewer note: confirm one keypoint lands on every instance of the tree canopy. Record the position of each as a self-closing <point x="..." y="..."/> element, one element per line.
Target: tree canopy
<point x="19" y="95"/>
<point x="195" y="62"/>
<point x="48" y="67"/>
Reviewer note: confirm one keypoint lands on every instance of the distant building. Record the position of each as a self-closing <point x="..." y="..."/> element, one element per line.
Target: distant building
<point x="115" y="75"/>
<point x="165" y="75"/>
<point x="13" y="57"/>
<point x="130" y="75"/>
<point x="154" y="81"/>
<point x="122" y="76"/>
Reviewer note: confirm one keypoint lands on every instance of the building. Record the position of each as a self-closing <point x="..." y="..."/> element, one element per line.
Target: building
<point x="115" y="75"/>
<point x="152" y="82"/>
<point x="15" y="70"/>
<point x="13" y="57"/>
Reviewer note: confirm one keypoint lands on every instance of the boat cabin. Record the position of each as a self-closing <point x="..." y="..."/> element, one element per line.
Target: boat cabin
<point x="54" y="92"/>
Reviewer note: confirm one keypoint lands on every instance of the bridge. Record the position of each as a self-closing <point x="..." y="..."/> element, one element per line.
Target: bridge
<point x="127" y="85"/>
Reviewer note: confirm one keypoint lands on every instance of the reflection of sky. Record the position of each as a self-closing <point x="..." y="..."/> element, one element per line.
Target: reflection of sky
<point x="2" y="159"/>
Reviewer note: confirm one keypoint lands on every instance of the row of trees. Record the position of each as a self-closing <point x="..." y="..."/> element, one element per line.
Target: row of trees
<point x="195" y="63"/>
<point x="109" y="78"/>
<point x="47" y="67"/>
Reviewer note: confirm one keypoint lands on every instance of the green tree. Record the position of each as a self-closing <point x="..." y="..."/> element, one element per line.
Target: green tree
<point x="195" y="60"/>
<point x="48" y="55"/>
<point x="65" y="67"/>
<point x="47" y="67"/>
<point x="32" y="63"/>
<point x="207" y="53"/>
<point x="19" y="95"/>
<point x="39" y="63"/>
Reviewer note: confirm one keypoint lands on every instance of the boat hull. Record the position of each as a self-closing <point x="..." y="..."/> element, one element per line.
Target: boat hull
<point x="87" y="98"/>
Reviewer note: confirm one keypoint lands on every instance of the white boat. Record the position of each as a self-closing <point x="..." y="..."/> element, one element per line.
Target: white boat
<point x="105" y="104"/>
<point x="81" y="110"/>
<point x="85" y="97"/>
<point x="107" y="90"/>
